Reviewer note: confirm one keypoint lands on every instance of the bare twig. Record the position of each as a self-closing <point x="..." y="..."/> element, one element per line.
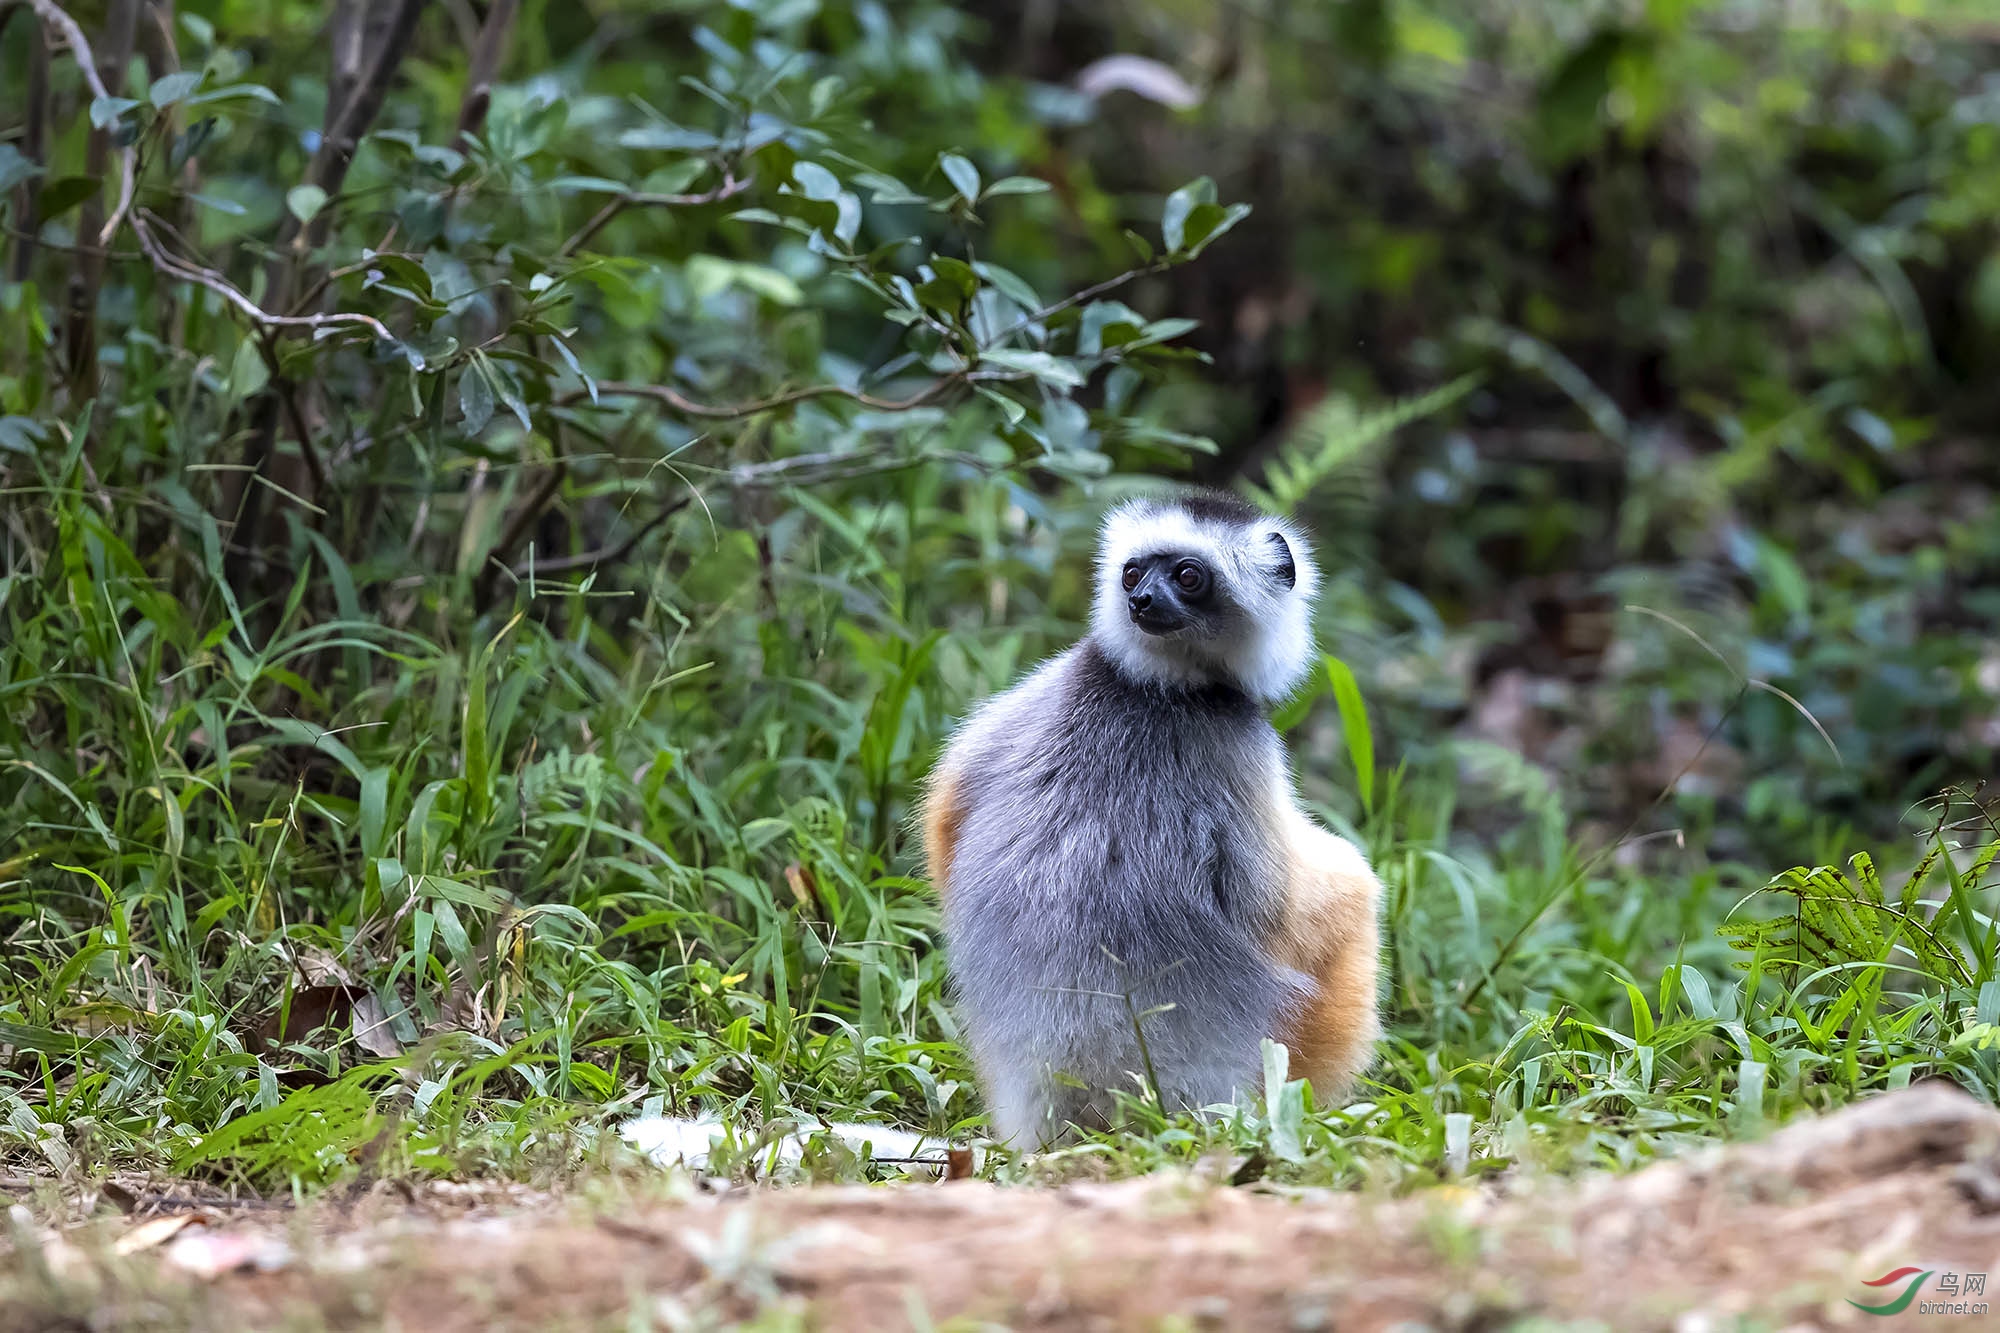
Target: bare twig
<point x="104" y="73"/>
<point x="611" y="554"/>
<point x="517" y="528"/>
<point x="34" y="147"/>
<point x="799" y="470"/>
<point x="360" y="82"/>
<point x="121" y="30"/>
<point x="818" y="469"/>
<point x="369" y="43"/>
<point x="250" y="310"/>
<point x="149" y="244"/>
<point x="688" y="407"/>
<point x="618" y="203"/>
<point x="290" y="400"/>
<point x="1090" y="293"/>
<point x="486" y="58"/>
<point x="56" y="17"/>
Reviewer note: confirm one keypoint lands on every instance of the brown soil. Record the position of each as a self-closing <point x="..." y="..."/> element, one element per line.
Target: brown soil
<point x="1777" y="1235"/>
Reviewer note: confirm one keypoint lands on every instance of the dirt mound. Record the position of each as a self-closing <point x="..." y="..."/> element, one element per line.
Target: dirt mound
<point x="1784" y="1233"/>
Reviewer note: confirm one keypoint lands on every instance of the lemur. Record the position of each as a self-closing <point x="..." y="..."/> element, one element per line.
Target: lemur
<point x="1131" y="894"/>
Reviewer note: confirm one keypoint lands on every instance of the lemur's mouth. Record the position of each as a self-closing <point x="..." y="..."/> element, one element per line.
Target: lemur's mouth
<point x="1160" y="621"/>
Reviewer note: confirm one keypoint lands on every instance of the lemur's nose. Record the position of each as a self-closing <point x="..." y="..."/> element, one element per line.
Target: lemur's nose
<point x="1140" y="601"/>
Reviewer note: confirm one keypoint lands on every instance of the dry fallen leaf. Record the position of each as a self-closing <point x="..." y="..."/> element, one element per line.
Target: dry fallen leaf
<point x="154" y="1232"/>
<point x="372" y="1032"/>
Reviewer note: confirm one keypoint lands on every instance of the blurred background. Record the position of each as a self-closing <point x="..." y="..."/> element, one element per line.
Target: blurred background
<point x="1730" y="275"/>
<point x="499" y="503"/>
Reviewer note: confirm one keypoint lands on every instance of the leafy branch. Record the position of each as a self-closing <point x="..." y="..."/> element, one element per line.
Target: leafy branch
<point x="731" y="187"/>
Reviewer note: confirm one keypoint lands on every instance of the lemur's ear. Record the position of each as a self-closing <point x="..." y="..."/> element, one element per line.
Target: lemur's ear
<point x="1283" y="568"/>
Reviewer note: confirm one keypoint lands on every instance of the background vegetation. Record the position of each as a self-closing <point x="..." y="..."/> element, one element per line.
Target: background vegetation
<point x="500" y="503"/>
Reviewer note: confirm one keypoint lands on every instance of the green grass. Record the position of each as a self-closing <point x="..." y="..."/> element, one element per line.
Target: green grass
<point x="570" y="874"/>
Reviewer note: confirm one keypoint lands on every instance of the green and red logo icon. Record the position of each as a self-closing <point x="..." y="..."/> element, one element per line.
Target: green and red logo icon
<point x="1913" y="1276"/>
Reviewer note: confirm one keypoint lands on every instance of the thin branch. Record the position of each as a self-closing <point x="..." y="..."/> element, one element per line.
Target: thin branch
<point x="86" y="62"/>
<point x="121" y="22"/>
<point x="34" y="146"/>
<point x="359" y="83"/>
<point x="249" y="309"/>
<point x="799" y="470"/>
<point x="688" y="407"/>
<point x="818" y="469"/>
<point x="149" y="244"/>
<point x="485" y="67"/>
<point x="290" y="401"/>
<point x="1087" y="294"/>
<point x="517" y="527"/>
<point x="618" y="203"/>
<point x="610" y="554"/>
<point x="333" y="275"/>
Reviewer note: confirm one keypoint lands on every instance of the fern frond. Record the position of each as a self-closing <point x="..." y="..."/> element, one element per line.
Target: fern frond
<point x="1841" y="919"/>
<point x="1337" y="435"/>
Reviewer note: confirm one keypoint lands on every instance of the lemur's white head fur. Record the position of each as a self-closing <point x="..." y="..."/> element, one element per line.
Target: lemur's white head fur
<point x="1257" y="633"/>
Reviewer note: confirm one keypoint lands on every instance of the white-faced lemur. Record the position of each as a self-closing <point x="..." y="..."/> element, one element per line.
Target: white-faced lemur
<point x="1131" y="891"/>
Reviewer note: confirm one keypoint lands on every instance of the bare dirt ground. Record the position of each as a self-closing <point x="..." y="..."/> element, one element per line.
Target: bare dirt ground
<point x="1779" y="1234"/>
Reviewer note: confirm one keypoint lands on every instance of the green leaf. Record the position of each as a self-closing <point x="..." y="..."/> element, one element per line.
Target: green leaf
<point x="709" y="274"/>
<point x="1010" y="285"/>
<point x="1181" y="203"/>
<point x="1048" y="369"/>
<point x="105" y="111"/>
<point x="443" y="890"/>
<point x="1017" y="185"/>
<point x="1354" y="728"/>
<point x="1013" y="411"/>
<point x="475" y="398"/>
<point x="957" y="272"/>
<point x="59" y="197"/>
<point x="1642" y="1015"/>
<point x="171" y="88"/>
<point x="964" y="177"/>
<point x="1284" y="1104"/>
<point x="407" y="272"/>
<point x="451" y="931"/>
<point x="16" y="167"/>
<point x="248" y="371"/>
<point x="847" y="222"/>
<point x="1294" y="710"/>
<point x="1208" y="223"/>
<point x="816" y="182"/>
<point x="21" y="434"/>
<point x="887" y="189"/>
<point x="305" y="201"/>
<point x="587" y="185"/>
<point x="236" y="92"/>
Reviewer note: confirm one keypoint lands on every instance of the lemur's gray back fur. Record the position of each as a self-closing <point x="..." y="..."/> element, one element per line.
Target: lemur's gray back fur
<point x="1118" y="863"/>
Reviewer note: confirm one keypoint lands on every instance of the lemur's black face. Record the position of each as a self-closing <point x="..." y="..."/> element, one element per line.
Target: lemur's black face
<point x="1170" y="593"/>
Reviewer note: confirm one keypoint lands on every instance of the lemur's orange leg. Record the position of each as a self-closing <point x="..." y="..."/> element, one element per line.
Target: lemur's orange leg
<point x="1329" y="931"/>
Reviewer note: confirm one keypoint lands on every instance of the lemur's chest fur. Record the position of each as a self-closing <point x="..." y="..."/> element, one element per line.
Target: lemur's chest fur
<point x="1134" y="802"/>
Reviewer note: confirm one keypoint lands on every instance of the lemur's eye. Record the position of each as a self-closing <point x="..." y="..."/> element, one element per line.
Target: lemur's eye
<point x="1131" y="575"/>
<point x="1192" y="576"/>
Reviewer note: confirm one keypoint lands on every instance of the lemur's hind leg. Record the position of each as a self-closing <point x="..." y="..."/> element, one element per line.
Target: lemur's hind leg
<point x="1329" y="930"/>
